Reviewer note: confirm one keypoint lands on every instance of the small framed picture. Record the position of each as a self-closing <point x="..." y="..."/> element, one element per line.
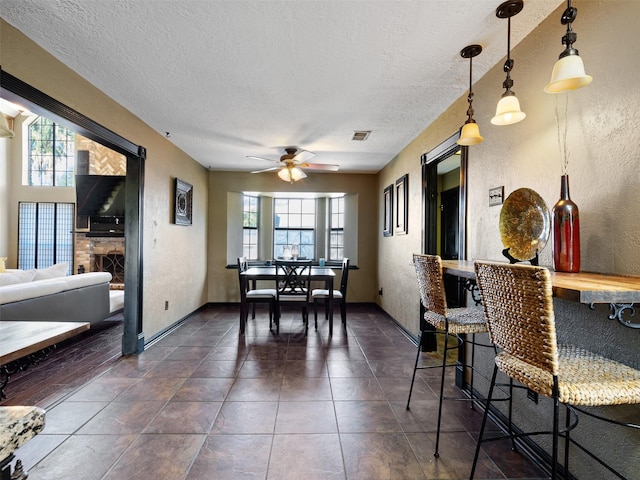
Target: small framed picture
<point x="183" y="203"/>
<point x="387" y="229"/>
<point x="402" y="205"/>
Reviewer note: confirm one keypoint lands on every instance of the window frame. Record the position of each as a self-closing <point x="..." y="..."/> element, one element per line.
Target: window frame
<point x="49" y="151"/>
<point x="57" y="241"/>
<point x="248" y="247"/>
<point x="296" y="227"/>
<point x="336" y="230"/>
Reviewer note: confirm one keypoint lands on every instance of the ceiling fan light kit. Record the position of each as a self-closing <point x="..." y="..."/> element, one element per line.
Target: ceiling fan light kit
<point x="292" y="164"/>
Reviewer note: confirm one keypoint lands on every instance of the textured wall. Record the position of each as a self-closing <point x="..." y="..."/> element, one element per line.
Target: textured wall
<point x="171" y="253"/>
<point x="223" y="283"/>
<point x="602" y="139"/>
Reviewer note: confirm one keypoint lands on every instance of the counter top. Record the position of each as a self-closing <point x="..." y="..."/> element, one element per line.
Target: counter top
<point x="583" y="287"/>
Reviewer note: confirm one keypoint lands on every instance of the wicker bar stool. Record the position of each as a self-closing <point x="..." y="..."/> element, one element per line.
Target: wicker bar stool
<point x="448" y="321"/>
<point x="518" y="307"/>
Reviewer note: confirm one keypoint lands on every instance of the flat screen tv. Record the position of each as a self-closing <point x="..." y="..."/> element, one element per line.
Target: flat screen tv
<point x="100" y="195"/>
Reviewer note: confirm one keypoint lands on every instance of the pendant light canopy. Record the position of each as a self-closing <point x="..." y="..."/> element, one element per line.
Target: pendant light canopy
<point x="470" y="133"/>
<point x="568" y="72"/>
<point x="508" y="109"/>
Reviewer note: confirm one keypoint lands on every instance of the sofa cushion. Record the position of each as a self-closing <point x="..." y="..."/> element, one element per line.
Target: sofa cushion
<point x="17" y="276"/>
<point x="54" y="271"/>
<point x="25" y="291"/>
<point x="86" y="279"/>
<point x="3" y="266"/>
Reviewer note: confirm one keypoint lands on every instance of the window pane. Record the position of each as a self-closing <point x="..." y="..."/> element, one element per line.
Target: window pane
<point x="281" y="205"/>
<point x="295" y="205"/>
<point x="250" y="224"/>
<point x="51" y="154"/>
<point x="293" y="227"/>
<point x="308" y="221"/>
<point x="309" y="206"/>
<point x="44" y="234"/>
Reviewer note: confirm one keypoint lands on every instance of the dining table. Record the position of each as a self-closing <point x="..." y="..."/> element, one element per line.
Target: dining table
<point x="268" y="273"/>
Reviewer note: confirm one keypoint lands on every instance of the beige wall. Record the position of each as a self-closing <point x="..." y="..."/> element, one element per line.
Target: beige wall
<point x="172" y="255"/>
<point x="605" y="183"/>
<point x="223" y="283"/>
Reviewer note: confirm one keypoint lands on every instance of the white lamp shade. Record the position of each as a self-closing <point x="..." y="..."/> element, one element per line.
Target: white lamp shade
<point x="297" y="174"/>
<point x="291" y="174"/>
<point x="508" y="111"/>
<point x="284" y="174"/>
<point x="568" y="74"/>
<point x="5" y="131"/>
<point x="470" y="134"/>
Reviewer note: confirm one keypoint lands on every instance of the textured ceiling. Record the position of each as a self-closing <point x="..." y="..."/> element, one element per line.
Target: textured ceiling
<point x="230" y="78"/>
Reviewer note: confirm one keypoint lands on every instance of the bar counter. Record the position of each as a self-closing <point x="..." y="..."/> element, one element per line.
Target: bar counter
<point x="582" y="287"/>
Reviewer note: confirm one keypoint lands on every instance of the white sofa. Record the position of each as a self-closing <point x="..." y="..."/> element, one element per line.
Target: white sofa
<point x="44" y="295"/>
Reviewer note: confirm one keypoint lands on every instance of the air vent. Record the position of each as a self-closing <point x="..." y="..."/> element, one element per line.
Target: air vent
<point x="361" y="135"/>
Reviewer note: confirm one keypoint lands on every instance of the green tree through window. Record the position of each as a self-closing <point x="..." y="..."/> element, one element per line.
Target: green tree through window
<point x="51" y="154"/>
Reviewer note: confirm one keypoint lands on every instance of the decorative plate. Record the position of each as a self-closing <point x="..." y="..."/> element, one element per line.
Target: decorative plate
<point x="525" y="224"/>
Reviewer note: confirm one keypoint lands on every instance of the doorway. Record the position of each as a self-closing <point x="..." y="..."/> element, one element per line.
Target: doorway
<point x="16" y="91"/>
<point x="444" y="214"/>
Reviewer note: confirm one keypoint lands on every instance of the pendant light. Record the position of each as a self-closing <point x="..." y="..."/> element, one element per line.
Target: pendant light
<point x="508" y="109"/>
<point x="470" y="133"/>
<point x="568" y="72"/>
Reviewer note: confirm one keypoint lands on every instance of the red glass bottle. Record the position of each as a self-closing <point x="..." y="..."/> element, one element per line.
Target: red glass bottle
<point x="566" y="231"/>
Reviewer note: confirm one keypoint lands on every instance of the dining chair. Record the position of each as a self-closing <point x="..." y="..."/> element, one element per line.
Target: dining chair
<point x="293" y="286"/>
<point x="451" y="322"/>
<point x="254" y="295"/>
<point x="518" y="306"/>
<point x="321" y="296"/>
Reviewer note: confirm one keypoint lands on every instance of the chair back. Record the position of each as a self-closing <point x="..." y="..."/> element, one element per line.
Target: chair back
<point x="242" y="267"/>
<point x="430" y="283"/>
<point x="344" y="279"/>
<point x="518" y="306"/>
<point x="293" y="280"/>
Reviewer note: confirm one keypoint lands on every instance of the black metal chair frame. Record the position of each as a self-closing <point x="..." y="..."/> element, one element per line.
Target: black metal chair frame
<point x="341" y="300"/>
<point x="246" y="300"/>
<point x="293" y="286"/>
<point x="460" y="341"/>
<point x="571" y="410"/>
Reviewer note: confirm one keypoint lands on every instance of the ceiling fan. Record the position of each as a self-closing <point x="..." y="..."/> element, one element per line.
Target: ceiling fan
<point x="292" y="163"/>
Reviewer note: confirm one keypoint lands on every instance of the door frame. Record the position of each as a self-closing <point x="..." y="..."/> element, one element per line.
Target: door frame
<point x="429" y="162"/>
<point x="17" y="91"/>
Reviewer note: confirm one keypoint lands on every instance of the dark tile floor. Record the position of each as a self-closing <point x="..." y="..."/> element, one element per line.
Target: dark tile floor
<point x="207" y="403"/>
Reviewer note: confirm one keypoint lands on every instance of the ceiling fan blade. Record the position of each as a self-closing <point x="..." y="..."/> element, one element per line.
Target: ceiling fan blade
<point x="262" y="158"/>
<point x="320" y="166"/>
<point x="270" y="169"/>
<point x="303" y="156"/>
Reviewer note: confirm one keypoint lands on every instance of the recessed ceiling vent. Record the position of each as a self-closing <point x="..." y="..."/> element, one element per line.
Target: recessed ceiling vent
<point x="361" y="135"/>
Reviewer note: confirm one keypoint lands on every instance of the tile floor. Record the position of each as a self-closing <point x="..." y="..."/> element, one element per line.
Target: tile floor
<point x="207" y="403"/>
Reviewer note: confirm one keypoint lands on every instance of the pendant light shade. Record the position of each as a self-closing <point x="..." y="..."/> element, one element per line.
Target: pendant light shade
<point x="470" y="133"/>
<point x="5" y="131"/>
<point x="508" y="109"/>
<point x="568" y="72"/>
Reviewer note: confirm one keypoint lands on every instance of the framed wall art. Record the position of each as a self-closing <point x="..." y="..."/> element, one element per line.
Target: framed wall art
<point x="183" y="203"/>
<point x="387" y="229"/>
<point x="402" y="205"/>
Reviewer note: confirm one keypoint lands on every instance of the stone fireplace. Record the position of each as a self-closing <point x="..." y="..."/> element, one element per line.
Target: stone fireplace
<point x="101" y="254"/>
